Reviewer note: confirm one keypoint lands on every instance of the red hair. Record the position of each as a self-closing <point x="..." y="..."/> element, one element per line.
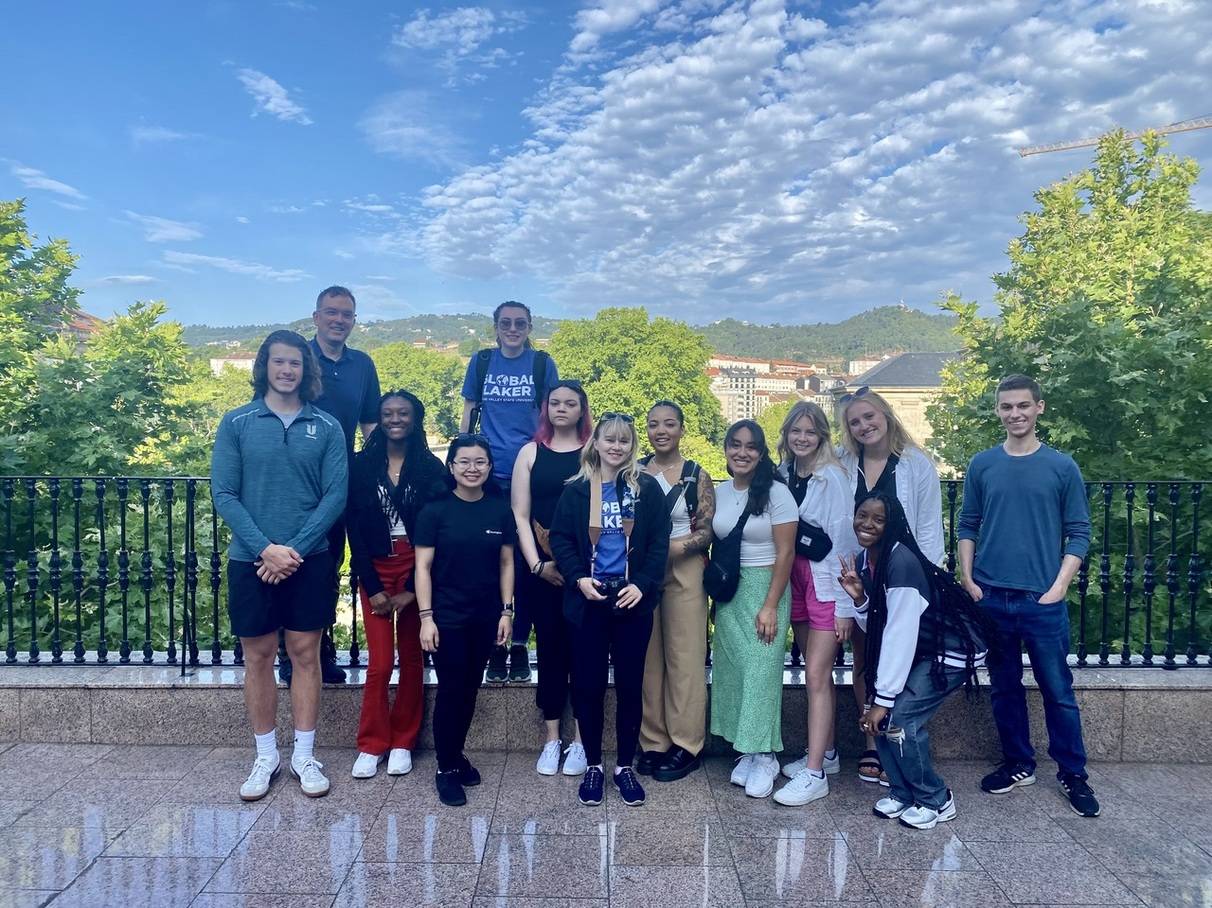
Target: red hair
<point x="546" y="431"/>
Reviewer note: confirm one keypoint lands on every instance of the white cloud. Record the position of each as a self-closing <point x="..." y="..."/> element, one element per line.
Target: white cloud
<point x="128" y="279"/>
<point x="241" y="219"/>
<point x="150" y="135"/>
<point x="408" y="125"/>
<point x="458" y="36"/>
<point x="272" y="98"/>
<point x="163" y="230"/>
<point x="754" y="157"/>
<point x="235" y="266"/>
<point x="36" y="179"/>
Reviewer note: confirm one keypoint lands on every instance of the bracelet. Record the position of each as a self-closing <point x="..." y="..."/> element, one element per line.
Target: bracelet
<point x="507" y="613"/>
<point x="425" y="613"/>
<point x="538" y="567"/>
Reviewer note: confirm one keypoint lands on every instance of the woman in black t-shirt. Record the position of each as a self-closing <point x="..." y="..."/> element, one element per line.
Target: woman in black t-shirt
<point x="466" y="607"/>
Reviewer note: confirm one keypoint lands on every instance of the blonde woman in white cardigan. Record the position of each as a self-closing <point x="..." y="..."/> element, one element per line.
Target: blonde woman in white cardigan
<point x="822" y="612"/>
<point x="879" y="453"/>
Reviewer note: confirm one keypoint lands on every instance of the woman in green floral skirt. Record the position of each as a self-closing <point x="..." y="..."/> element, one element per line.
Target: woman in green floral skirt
<point x="750" y="630"/>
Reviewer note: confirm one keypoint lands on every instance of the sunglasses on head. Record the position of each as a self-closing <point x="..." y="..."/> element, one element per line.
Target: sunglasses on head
<point x="846" y="398"/>
<point x="623" y="416"/>
<point x="474" y="438"/>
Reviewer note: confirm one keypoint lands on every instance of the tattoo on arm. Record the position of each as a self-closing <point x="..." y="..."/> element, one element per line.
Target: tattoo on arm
<point x="700" y="539"/>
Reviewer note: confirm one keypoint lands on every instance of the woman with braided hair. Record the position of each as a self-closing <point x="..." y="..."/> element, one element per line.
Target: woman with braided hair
<point x="925" y="638"/>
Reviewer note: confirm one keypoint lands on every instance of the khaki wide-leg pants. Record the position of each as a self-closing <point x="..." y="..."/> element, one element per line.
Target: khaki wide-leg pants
<point x="675" y="686"/>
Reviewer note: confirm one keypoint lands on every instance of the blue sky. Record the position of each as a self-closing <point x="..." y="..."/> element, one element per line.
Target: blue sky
<point x="770" y="160"/>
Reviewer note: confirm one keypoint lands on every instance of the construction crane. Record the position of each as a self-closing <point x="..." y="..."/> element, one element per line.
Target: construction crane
<point x="1181" y="126"/>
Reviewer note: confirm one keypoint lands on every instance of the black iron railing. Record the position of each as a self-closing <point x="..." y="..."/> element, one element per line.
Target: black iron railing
<point x="122" y="570"/>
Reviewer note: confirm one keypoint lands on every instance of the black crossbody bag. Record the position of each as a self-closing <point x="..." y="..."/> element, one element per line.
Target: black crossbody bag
<point x="723" y="572"/>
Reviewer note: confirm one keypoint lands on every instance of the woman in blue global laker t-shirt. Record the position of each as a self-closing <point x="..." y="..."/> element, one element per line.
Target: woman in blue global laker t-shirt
<point x="509" y="415"/>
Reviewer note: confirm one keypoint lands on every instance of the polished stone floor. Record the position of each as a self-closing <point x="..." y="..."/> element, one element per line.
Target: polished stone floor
<point x="128" y="825"/>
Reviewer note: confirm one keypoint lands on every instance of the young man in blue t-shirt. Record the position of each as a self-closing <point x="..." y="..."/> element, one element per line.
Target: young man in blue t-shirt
<point x="508" y="404"/>
<point x="1023" y="532"/>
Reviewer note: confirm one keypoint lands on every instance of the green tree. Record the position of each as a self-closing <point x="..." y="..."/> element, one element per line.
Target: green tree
<point x="436" y="378"/>
<point x="1108" y="303"/>
<point x="627" y="362"/>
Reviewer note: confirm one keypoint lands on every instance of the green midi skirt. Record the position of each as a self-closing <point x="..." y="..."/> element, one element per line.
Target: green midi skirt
<point x="746" y="674"/>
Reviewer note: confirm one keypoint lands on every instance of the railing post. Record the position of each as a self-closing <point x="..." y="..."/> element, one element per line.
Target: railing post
<point x="189" y="606"/>
<point x="1125" y="655"/>
<point x="1194" y="572"/>
<point x="216" y="583"/>
<point x="124" y="569"/>
<point x="102" y="574"/>
<point x="56" y="573"/>
<point x="951" y="492"/>
<point x="355" y="653"/>
<point x="77" y="569"/>
<point x="1172" y="587"/>
<point x="31" y="570"/>
<point x="1083" y="587"/>
<point x="170" y="572"/>
<point x="7" y="488"/>
<point x="1104" y="576"/>
<point x="1150" y="580"/>
<point x="146" y="575"/>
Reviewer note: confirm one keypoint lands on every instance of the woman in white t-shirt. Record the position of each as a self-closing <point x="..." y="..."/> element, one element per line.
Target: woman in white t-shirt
<point x="751" y="629"/>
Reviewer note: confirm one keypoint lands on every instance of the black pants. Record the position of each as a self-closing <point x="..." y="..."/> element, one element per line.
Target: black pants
<point x="460" y="660"/>
<point x="523" y="614"/>
<point x="552" y="641"/>
<point x="604" y="637"/>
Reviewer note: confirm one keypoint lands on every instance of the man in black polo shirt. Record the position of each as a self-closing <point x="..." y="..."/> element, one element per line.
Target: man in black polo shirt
<point x="351" y="396"/>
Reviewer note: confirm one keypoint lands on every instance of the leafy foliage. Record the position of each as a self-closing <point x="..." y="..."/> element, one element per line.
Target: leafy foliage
<point x="436" y="378"/>
<point x="1108" y="303"/>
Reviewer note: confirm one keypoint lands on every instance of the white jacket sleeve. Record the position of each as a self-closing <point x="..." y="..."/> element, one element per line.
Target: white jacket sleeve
<point x="926" y="512"/>
<point x="834" y="513"/>
<point x="905" y="607"/>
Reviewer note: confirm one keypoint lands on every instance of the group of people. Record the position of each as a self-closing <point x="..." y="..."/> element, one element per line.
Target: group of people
<point x="543" y="516"/>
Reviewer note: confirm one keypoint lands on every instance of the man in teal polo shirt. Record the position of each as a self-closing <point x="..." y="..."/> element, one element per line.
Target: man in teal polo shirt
<point x="279" y="479"/>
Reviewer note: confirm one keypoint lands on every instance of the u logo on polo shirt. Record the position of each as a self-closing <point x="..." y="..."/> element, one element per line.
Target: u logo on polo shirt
<point x="311" y="429"/>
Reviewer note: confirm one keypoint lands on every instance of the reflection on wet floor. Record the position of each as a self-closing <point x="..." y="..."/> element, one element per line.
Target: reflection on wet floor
<point x="96" y="825"/>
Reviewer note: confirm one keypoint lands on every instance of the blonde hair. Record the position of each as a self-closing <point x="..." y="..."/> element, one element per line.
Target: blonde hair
<point x="898" y="436"/>
<point x="591" y="461"/>
<point x="825" y="454"/>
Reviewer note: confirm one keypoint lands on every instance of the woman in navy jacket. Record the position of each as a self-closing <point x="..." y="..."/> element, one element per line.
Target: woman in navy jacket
<point x="610" y="539"/>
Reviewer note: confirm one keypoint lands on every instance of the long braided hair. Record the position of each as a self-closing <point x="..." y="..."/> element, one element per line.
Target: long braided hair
<point x="421" y="470"/>
<point x="954" y="614"/>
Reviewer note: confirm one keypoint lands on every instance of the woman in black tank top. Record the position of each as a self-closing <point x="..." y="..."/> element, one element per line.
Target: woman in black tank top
<point x="540" y="474"/>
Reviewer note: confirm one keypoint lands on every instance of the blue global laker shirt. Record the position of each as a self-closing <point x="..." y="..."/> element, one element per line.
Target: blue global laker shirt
<point x="610" y="556"/>
<point x="508" y="415"/>
<point x="275" y="483"/>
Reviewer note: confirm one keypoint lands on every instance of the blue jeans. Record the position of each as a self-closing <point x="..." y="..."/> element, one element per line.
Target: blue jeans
<point x="1044" y="629"/>
<point x="906" y="755"/>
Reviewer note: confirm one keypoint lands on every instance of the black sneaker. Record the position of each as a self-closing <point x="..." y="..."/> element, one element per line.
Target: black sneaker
<point x="630" y="789"/>
<point x="285" y="671"/>
<point x="1007" y="777"/>
<point x="1080" y="795"/>
<point x="519" y="662"/>
<point x="331" y="673"/>
<point x="450" y="789"/>
<point x="469" y="776"/>
<point x="648" y="761"/>
<point x="590" y="792"/>
<point x="678" y="764"/>
<point x="498" y="669"/>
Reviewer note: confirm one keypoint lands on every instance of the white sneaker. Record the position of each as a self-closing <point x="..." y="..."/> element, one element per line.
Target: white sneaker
<point x="575" y="761"/>
<point x="889" y="808"/>
<point x="740" y="772"/>
<point x="919" y="817"/>
<point x="549" y="759"/>
<point x="256" y="786"/>
<point x="366" y="765"/>
<point x="764" y="771"/>
<point x="313" y="782"/>
<point x="831" y="766"/>
<point x="399" y="761"/>
<point x="805" y="788"/>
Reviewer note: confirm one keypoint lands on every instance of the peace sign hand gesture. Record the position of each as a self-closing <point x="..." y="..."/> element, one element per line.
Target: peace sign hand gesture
<point x="850" y="580"/>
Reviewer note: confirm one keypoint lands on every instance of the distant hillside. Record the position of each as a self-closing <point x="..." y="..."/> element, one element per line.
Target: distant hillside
<point x="882" y="330"/>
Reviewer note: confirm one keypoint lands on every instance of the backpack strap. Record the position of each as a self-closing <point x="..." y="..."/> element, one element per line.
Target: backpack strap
<point x="541" y="359"/>
<point x="483" y="358"/>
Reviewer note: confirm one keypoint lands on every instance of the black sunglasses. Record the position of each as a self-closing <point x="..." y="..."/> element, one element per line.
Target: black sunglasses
<point x="623" y="416"/>
<point x="474" y="438"/>
<point x="846" y="398"/>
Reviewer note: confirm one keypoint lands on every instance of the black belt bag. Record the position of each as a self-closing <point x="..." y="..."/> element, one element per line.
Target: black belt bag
<point x="812" y="542"/>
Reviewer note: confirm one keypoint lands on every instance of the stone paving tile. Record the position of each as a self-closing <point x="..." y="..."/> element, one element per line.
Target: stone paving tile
<point x="441" y="835"/>
<point x="27" y="898"/>
<point x="1067" y="874"/>
<point x="432" y="885"/>
<point x="1142" y="847"/>
<point x="138" y="882"/>
<point x="280" y="862"/>
<point x="136" y="761"/>
<point x="1171" y="890"/>
<point x="111" y="804"/>
<point x="880" y="846"/>
<point x="799" y="870"/>
<point x="643" y="837"/>
<point x="675" y="887"/>
<point x="11" y="811"/>
<point x="937" y="889"/>
<point x="263" y="900"/>
<point x="47" y="857"/>
<point x="540" y="865"/>
<point x="502" y="901"/>
<point x="187" y="831"/>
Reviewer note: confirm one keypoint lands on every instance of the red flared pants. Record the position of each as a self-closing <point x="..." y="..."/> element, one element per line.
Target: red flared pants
<point x="383" y="727"/>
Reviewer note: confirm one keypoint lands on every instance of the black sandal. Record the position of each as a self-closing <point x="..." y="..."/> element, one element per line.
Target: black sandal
<point x="869" y="760"/>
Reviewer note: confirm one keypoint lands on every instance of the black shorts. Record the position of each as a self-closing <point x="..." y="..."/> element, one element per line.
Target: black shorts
<point x="301" y="602"/>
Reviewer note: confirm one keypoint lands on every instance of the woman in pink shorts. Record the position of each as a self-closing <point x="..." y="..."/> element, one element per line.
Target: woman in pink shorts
<point x="821" y="612"/>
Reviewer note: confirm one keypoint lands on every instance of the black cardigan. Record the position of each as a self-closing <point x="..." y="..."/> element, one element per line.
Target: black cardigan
<point x="369" y="534"/>
<point x="646" y="554"/>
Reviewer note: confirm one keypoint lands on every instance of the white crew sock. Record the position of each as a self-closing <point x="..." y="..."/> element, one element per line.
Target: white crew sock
<point x="831" y="754"/>
<point x="305" y="744"/>
<point x="267" y="746"/>
<point x="817" y="773"/>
